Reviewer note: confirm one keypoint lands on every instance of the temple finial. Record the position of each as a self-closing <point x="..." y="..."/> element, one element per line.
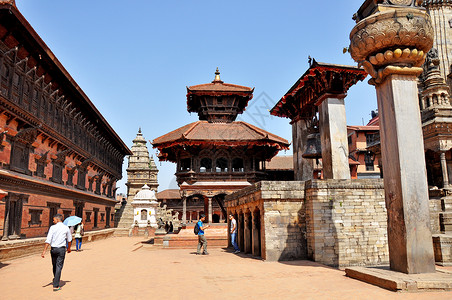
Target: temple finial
<point x="139" y="130"/>
<point x="217" y="75"/>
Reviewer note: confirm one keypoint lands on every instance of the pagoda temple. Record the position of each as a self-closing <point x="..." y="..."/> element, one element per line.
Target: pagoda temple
<point x="217" y="155"/>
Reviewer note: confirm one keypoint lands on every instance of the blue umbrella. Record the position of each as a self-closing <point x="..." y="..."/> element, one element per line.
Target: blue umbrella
<point x="72" y="220"/>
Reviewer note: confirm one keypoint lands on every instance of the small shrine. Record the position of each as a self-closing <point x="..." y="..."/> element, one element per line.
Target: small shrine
<point x="144" y="208"/>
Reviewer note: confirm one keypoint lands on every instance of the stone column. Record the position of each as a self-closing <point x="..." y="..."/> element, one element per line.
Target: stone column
<point x="210" y="210"/>
<point x="191" y="217"/>
<point x="394" y="60"/>
<point x="184" y="210"/>
<point x="444" y="169"/>
<point x="303" y="168"/>
<point x="333" y="133"/>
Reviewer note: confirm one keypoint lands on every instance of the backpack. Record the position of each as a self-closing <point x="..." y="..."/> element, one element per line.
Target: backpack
<point x="82" y="231"/>
<point x="196" y="229"/>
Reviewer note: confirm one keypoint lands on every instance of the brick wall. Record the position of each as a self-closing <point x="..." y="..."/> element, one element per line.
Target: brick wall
<point x="346" y="222"/>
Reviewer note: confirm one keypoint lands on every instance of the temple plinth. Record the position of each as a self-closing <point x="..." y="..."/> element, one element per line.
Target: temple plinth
<point x="321" y="90"/>
<point x="391" y="42"/>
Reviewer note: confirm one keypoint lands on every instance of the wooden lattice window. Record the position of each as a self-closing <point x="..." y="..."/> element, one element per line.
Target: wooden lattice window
<point x="35" y="216"/>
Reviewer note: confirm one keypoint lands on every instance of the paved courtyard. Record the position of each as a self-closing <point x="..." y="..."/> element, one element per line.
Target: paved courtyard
<point x="124" y="268"/>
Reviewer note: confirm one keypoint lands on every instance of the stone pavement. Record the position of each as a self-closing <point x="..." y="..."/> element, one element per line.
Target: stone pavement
<point x="124" y="268"/>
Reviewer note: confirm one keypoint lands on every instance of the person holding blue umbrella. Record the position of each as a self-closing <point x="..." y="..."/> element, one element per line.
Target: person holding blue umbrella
<point x="79" y="232"/>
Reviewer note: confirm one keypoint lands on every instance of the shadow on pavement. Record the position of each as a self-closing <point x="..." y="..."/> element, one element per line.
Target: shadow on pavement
<point x="3" y="265"/>
<point x="62" y="283"/>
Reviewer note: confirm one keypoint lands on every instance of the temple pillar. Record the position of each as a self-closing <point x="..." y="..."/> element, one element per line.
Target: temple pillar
<point x="191" y="217"/>
<point x="247" y="233"/>
<point x="303" y="168"/>
<point x="184" y="210"/>
<point x="333" y="133"/>
<point x="394" y="62"/>
<point x="210" y="210"/>
<point x="444" y="169"/>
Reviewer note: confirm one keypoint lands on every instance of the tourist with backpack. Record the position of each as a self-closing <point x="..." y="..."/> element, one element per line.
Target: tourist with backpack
<point x="199" y="230"/>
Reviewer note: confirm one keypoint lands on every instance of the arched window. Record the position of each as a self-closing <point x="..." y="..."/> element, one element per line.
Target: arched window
<point x="237" y="165"/>
<point x="144" y="215"/>
<point x="221" y="165"/>
<point x="185" y="164"/>
<point x="206" y="165"/>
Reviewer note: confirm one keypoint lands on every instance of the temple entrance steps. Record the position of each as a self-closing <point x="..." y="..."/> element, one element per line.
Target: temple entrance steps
<point x="124" y="216"/>
<point x="216" y="235"/>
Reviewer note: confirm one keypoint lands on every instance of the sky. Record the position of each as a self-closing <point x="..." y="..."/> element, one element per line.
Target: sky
<point x="135" y="58"/>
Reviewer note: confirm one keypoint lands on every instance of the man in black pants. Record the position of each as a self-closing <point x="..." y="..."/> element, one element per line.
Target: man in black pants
<point x="57" y="237"/>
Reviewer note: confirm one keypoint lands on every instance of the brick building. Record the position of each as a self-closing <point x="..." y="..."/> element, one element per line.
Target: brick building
<point x="57" y="152"/>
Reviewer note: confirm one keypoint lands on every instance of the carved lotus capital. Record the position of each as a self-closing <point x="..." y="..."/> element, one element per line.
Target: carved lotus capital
<point x="391" y="29"/>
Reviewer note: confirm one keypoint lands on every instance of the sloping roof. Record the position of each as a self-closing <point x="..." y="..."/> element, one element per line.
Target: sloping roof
<point x="32" y="42"/>
<point x="280" y="163"/>
<point x="219" y="86"/>
<point x="219" y="133"/>
<point x="168" y="194"/>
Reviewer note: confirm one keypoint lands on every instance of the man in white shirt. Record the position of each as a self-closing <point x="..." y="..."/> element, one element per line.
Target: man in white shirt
<point x="234" y="233"/>
<point x="57" y="237"/>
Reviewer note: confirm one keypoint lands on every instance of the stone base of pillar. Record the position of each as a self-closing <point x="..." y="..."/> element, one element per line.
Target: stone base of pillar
<point x="400" y="282"/>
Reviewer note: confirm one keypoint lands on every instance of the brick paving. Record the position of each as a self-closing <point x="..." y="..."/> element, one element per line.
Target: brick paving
<point x="124" y="268"/>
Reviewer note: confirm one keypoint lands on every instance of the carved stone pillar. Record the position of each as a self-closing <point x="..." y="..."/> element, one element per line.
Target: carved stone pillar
<point x="184" y="210"/>
<point x="444" y="169"/>
<point x="210" y="210"/>
<point x="391" y="42"/>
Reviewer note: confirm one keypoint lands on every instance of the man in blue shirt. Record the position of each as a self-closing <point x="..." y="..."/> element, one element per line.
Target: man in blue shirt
<point x="201" y="238"/>
<point x="57" y="237"/>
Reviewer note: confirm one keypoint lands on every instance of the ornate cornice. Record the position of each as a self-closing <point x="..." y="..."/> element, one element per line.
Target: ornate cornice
<point x="35" y="186"/>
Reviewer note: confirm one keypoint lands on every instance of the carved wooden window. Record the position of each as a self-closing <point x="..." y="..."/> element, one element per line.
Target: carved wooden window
<point x="221" y="165"/>
<point x="98" y="184"/>
<point x="26" y="95"/>
<point x="57" y="173"/>
<point x="17" y="80"/>
<point x="96" y="215"/>
<point x="35" y="217"/>
<point x="102" y="217"/>
<point x="53" y="210"/>
<point x="6" y="69"/>
<point x="107" y="216"/>
<point x="13" y="215"/>
<point x="369" y="159"/>
<point x="40" y="165"/>
<point x="20" y="156"/>
<point x="206" y="165"/>
<point x="35" y="102"/>
<point x="81" y="179"/>
<point x="237" y="165"/>
<point x="43" y="107"/>
<point x="88" y="216"/>
<point x="70" y="176"/>
<point x="185" y="164"/>
<point x="79" y="208"/>
<point x="67" y="213"/>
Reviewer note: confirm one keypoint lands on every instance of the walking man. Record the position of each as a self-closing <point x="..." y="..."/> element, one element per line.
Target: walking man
<point x="201" y="238"/>
<point x="234" y="234"/>
<point x="57" y="237"/>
